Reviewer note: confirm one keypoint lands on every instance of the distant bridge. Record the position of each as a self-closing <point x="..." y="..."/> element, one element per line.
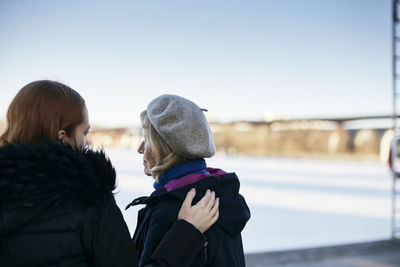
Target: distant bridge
<point x="338" y="119"/>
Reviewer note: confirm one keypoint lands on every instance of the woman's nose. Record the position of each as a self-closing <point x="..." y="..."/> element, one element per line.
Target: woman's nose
<point x="141" y="148"/>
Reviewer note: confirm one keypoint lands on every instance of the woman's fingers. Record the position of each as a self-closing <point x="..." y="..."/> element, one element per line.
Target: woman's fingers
<point x="215" y="208"/>
<point x="187" y="203"/>
<point x="214" y="218"/>
<point x="205" y="199"/>
<point x="202" y="215"/>
<point x="211" y="203"/>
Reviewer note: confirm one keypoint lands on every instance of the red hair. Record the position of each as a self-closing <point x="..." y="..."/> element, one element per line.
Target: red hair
<point x="40" y="110"/>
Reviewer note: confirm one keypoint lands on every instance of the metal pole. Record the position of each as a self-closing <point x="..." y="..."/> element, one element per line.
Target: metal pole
<point x="393" y="222"/>
<point x="394" y="96"/>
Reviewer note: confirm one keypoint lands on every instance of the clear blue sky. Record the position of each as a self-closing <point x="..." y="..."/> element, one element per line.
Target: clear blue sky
<point x="239" y="59"/>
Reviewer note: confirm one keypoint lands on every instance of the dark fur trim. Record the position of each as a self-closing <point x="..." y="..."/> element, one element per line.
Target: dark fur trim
<point x="55" y="172"/>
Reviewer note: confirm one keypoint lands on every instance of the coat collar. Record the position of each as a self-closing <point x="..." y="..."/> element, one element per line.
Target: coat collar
<point x="55" y="172"/>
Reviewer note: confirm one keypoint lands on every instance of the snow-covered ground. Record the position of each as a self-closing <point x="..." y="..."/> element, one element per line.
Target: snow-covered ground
<point x="294" y="203"/>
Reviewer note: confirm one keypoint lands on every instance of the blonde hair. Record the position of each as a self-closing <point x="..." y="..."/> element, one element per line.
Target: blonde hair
<point x="163" y="155"/>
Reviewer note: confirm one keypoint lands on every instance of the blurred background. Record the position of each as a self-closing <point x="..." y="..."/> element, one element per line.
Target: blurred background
<point x="298" y="96"/>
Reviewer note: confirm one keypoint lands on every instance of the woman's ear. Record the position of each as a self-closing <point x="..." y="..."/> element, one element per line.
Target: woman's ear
<point x="60" y="135"/>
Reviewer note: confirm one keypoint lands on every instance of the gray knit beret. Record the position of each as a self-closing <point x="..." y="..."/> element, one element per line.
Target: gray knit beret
<point x="182" y="125"/>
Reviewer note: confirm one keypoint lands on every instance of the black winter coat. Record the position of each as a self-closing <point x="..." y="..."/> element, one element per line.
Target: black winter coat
<point x="57" y="209"/>
<point x="223" y="246"/>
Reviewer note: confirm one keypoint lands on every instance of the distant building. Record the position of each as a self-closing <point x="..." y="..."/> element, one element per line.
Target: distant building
<point x="303" y="138"/>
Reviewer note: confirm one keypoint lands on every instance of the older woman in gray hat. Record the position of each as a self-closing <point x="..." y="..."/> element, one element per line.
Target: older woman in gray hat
<point x="177" y="138"/>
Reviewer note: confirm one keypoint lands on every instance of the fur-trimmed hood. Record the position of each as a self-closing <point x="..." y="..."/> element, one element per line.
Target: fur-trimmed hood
<point x="54" y="172"/>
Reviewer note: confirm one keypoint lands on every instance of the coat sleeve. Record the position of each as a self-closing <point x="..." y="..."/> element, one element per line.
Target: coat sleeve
<point x="111" y="244"/>
<point x="179" y="246"/>
<point x="109" y="239"/>
<point x="160" y="221"/>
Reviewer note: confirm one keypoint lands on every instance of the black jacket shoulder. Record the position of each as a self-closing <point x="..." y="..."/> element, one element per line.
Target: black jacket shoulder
<point x="224" y="243"/>
<point x="57" y="208"/>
